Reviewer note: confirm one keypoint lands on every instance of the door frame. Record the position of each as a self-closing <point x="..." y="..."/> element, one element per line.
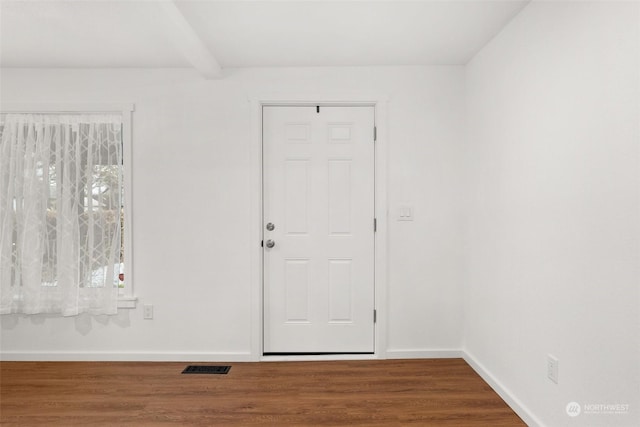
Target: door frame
<point x="256" y="219"/>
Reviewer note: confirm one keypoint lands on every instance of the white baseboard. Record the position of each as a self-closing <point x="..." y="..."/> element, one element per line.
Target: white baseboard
<point x="514" y="403"/>
<point x="124" y="357"/>
<point x="424" y="354"/>
<point x="317" y="358"/>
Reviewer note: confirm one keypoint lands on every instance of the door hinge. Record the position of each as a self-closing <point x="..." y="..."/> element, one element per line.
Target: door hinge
<point x="375" y="316"/>
<point x="375" y="225"/>
<point x="375" y="133"/>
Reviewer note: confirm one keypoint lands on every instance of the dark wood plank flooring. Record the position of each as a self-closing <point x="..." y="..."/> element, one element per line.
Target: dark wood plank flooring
<point x="433" y="392"/>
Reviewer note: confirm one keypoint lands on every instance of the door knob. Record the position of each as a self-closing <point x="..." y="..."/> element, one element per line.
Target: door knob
<point x="270" y="243"/>
<point x="270" y="226"/>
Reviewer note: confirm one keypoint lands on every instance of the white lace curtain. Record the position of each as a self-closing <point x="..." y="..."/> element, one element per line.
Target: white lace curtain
<point x="60" y="213"/>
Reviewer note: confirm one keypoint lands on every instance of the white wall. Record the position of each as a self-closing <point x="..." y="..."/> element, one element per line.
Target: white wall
<point x="192" y="194"/>
<point x="550" y="190"/>
<point x="554" y="214"/>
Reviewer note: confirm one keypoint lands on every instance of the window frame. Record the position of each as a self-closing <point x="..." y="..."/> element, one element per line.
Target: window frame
<point x="126" y="296"/>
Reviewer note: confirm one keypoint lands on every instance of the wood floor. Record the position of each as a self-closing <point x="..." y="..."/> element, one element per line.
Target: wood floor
<point x="434" y="392"/>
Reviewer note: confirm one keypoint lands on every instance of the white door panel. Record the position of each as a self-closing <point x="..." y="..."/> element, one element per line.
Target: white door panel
<point x="319" y="194"/>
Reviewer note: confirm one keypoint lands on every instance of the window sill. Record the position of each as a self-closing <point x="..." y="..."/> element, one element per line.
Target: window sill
<point x="127" y="302"/>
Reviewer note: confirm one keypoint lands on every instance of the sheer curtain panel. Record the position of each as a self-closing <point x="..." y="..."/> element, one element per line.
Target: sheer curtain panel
<point x="60" y="213"/>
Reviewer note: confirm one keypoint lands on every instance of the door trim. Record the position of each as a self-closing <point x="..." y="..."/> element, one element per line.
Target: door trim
<point x="256" y="218"/>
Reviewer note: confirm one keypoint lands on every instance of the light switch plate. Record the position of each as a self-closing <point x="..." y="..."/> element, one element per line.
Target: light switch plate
<point x="405" y="213"/>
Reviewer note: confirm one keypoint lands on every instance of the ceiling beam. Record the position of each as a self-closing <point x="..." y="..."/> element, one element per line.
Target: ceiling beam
<point x="188" y="42"/>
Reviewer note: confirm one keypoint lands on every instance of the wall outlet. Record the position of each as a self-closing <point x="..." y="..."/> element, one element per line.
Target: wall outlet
<point x="147" y="311"/>
<point x="552" y="368"/>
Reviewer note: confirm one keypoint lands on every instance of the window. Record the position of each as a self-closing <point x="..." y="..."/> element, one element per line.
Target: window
<point x="66" y="241"/>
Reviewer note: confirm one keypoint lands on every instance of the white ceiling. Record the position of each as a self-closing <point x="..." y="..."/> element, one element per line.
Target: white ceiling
<point x="114" y="33"/>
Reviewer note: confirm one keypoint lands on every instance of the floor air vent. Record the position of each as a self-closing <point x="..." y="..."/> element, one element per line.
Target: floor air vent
<point x="201" y="369"/>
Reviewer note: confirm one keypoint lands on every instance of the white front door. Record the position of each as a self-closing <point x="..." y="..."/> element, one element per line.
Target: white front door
<point x="318" y="171"/>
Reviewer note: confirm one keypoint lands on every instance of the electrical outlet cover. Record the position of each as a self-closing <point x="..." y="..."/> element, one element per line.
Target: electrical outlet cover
<point x="148" y="311"/>
<point x="552" y="368"/>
